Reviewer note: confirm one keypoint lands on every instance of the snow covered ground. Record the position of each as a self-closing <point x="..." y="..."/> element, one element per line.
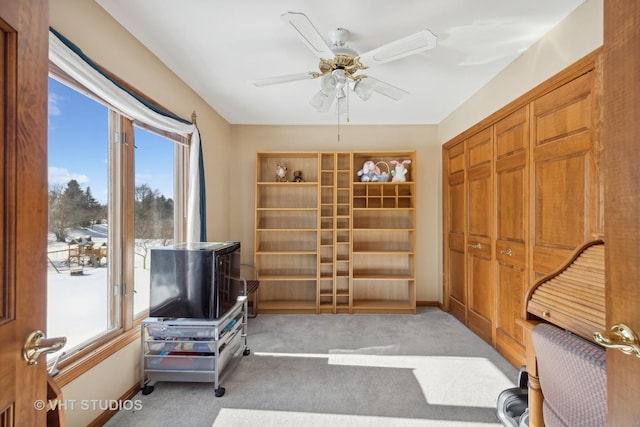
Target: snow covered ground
<point x="78" y="305"/>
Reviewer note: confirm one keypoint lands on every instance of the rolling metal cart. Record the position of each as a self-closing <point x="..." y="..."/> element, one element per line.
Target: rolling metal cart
<point x="192" y="350"/>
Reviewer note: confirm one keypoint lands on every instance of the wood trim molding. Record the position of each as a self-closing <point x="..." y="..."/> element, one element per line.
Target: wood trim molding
<point x="428" y="303"/>
<point x="92" y="359"/>
<point x="109" y="413"/>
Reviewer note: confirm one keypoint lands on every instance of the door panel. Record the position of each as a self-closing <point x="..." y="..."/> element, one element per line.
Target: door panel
<point x="479" y="197"/>
<point x="561" y="193"/>
<point x="456" y="159"/>
<point x="457" y="282"/>
<point x="479" y="185"/>
<point x="454" y="164"/>
<point x="456" y="204"/>
<point x="512" y="231"/>
<point x="481" y="292"/>
<point x="481" y="299"/>
<point x="622" y="233"/>
<point x="564" y="111"/>
<point x="23" y="194"/>
<point x="480" y="284"/>
<point x="512" y="134"/>
<point x="511" y="178"/>
<point x="8" y="361"/>
<point x="564" y="194"/>
<point x="511" y="287"/>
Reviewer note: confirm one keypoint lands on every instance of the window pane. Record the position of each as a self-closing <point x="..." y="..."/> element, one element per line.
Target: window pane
<point x="154" y="207"/>
<point x="78" y="300"/>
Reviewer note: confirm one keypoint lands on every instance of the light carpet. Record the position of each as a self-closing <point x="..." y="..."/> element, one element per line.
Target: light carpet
<point x="425" y="369"/>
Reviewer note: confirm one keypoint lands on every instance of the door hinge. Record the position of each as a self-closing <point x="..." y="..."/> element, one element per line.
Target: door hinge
<point x="121" y="138"/>
<point x="120" y="289"/>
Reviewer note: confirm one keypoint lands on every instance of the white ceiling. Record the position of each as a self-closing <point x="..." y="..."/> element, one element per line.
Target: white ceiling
<point x="218" y="46"/>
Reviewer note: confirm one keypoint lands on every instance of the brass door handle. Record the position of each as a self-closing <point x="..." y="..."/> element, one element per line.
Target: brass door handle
<point x="476" y="246"/>
<point x="507" y="252"/>
<point x="621" y="337"/>
<point x="37" y="344"/>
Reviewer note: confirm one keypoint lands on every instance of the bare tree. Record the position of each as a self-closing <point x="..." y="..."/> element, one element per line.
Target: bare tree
<point x="57" y="222"/>
<point x="71" y="207"/>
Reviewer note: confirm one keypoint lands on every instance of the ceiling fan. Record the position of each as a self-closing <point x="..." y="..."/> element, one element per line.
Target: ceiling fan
<point x="340" y="64"/>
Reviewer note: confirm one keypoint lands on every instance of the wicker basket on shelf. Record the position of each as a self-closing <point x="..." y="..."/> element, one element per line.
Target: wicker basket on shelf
<point x="382" y="175"/>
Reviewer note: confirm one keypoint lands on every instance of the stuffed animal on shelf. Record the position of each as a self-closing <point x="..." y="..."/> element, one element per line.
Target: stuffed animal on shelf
<point x="368" y="172"/>
<point x="400" y="170"/>
<point x="297" y="176"/>
<point x="281" y="173"/>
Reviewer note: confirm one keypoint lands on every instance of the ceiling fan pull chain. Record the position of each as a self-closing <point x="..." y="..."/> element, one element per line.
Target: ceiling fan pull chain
<point x="348" y="97"/>
<point x="338" y="121"/>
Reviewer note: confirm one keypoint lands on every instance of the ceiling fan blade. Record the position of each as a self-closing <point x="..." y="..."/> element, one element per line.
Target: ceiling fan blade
<point x="285" y="78"/>
<point x="410" y="45"/>
<point x="308" y="34"/>
<point x="369" y="84"/>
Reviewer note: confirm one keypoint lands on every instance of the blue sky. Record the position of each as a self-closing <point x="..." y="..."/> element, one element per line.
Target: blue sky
<point x="78" y="133"/>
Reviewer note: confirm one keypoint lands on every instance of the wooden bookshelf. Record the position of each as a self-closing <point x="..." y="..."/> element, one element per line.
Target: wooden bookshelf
<point x="383" y="253"/>
<point x="286" y="235"/>
<point x="334" y="244"/>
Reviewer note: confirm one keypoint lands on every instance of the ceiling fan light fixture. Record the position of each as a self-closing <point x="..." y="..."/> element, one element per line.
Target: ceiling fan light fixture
<point x="363" y="89"/>
<point x="322" y="101"/>
<point x="339" y="64"/>
<point x="340" y="75"/>
<point x="328" y="83"/>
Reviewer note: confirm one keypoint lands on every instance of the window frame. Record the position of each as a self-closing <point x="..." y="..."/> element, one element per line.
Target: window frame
<point x="121" y="235"/>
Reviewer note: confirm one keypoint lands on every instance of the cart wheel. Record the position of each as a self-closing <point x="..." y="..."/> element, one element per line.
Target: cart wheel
<point x="246" y="352"/>
<point x="147" y="389"/>
<point x="220" y="392"/>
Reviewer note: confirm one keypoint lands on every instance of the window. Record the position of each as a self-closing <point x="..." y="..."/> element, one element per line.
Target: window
<point x="116" y="189"/>
<point x="153" y="207"/>
<point x="78" y="243"/>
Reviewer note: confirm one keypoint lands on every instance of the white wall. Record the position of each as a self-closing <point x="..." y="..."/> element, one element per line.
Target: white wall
<point x="106" y="382"/>
<point x="248" y="140"/>
<point x="573" y="38"/>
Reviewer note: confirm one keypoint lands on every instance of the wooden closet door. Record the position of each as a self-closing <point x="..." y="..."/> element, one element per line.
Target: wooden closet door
<point x="512" y="216"/>
<point x="455" y="214"/>
<point x="564" y="175"/>
<point x="480" y="284"/>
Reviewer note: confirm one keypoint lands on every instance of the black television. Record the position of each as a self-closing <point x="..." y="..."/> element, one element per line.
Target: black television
<point x="194" y="280"/>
